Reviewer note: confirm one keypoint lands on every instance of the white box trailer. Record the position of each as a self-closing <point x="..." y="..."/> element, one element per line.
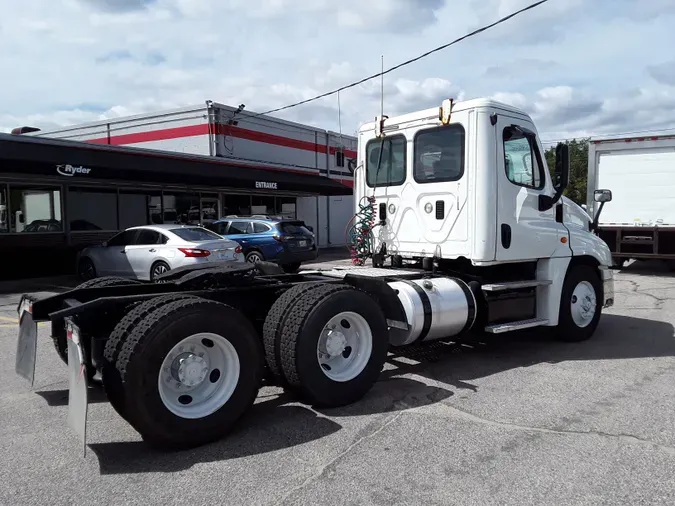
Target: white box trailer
<point x="248" y="140"/>
<point x="639" y="222"/>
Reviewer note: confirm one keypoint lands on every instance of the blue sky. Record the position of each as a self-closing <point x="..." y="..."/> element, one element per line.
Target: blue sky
<point x="580" y="67"/>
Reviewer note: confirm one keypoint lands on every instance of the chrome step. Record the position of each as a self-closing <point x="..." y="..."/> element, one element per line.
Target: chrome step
<point x="514" y="285"/>
<point x="500" y="328"/>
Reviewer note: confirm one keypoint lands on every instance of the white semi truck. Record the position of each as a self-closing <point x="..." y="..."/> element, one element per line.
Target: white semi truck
<point x="640" y="222"/>
<point x="469" y="234"/>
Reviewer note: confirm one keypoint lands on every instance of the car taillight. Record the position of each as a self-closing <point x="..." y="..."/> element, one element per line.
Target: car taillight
<point x="194" y="252"/>
<point x="280" y="238"/>
<point x="238" y="250"/>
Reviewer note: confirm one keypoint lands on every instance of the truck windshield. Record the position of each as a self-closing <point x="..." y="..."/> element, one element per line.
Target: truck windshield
<point x="195" y="234"/>
<point x="392" y="166"/>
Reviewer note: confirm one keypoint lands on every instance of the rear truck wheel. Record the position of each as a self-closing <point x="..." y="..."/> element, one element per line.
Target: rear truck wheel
<point x="85" y="269"/>
<point x="580" y="304"/>
<point x="274" y="322"/>
<point x="189" y="370"/>
<point x="112" y="383"/>
<point x="59" y="335"/>
<point x="291" y="268"/>
<point x="157" y="269"/>
<point x="334" y="343"/>
<point x="254" y="257"/>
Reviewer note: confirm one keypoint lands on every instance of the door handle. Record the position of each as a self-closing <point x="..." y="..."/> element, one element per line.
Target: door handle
<point x="152" y="250"/>
<point x="123" y="252"/>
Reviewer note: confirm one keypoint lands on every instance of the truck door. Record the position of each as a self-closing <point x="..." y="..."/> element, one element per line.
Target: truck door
<point x="523" y="231"/>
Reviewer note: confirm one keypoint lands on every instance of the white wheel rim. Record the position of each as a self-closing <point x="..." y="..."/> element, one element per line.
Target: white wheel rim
<point x="254" y="258"/>
<point x="583" y="304"/>
<point x="344" y="346"/>
<point x="199" y="375"/>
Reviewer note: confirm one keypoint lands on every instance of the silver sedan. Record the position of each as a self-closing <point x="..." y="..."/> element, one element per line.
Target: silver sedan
<point x="146" y="252"/>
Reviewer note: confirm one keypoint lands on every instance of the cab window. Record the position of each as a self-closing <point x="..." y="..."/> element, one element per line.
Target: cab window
<point x="520" y="161"/>
<point x="439" y="154"/>
<point x="386" y="161"/>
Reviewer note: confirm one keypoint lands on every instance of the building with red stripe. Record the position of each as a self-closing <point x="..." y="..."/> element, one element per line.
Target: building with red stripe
<point x="235" y="155"/>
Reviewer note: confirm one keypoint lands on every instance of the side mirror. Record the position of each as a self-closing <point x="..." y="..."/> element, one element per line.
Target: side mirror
<point x="602" y="195"/>
<point x="562" y="166"/>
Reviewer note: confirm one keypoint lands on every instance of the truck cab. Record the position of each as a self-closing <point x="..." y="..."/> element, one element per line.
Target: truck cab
<point x="466" y="186"/>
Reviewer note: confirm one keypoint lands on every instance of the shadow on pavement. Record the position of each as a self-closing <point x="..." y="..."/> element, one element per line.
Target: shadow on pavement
<point x="60" y="397"/>
<point x="275" y="424"/>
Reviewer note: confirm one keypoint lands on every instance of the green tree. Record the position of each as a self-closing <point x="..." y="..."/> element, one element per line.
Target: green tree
<point x="576" y="190"/>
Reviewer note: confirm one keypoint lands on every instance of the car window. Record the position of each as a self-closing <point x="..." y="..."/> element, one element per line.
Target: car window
<point x="238" y="227"/>
<point x="195" y="234"/>
<point x="146" y="237"/>
<point x="220" y="228"/>
<point x="123" y="238"/>
<point x="294" y="227"/>
<point x="259" y="228"/>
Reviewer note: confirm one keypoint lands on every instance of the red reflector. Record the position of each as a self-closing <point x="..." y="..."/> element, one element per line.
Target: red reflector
<point x="194" y="252"/>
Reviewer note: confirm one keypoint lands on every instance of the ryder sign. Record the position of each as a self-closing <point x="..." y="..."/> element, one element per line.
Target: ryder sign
<point x="71" y="170"/>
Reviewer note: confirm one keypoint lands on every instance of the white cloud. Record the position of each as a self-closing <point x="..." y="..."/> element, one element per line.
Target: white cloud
<point x="578" y="68"/>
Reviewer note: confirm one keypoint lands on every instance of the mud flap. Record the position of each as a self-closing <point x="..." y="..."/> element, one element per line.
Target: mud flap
<point x="26" y="346"/>
<point x="78" y="387"/>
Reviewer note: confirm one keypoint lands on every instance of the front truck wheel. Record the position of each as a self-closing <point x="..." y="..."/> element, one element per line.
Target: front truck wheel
<point x="580" y="304"/>
<point x="189" y="371"/>
<point x="333" y="343"/>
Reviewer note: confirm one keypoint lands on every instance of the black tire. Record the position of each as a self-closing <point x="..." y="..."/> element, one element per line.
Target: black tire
<point x="567" y="330"/>
<point x="59" y="335"/>
<point x="251" y="255"/>
<point x="112" y="383"/>
<point x="299" y="338"/>
<point x="274" y="323"/>
<point x="291" y="268"/>
<point x="157" y="269"/>
<point x="86" y="271"/>
<point x="140" y="361"/>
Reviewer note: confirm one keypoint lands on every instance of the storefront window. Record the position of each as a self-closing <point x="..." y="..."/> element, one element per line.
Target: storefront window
<point x="34" y="209"/>
<point x="234" y="204"/>
<point x="140" y="208"/>
<point x="262" y="204"/>
<point x="285" y="206"/>
<point x="4" y="211"/>
<point x="91" y="209"/>
<point x="182" y="208"/>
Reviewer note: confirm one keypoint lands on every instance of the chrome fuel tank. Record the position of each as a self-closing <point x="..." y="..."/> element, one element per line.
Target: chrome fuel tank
<point x="436" y="308"/>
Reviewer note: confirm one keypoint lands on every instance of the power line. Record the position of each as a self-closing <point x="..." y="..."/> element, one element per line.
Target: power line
<point x="407" y="62"/>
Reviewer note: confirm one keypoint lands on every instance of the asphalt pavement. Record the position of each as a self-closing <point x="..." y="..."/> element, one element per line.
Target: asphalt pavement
<point x="518" y="419"/>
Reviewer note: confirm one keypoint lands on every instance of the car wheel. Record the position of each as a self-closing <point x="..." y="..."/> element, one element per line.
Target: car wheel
<point x="158" y="268"/>
<point x="254" y="257"/>
<point x="86" y="269"/>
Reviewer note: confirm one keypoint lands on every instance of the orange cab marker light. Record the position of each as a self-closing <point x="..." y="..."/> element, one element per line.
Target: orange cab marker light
<point x="563" y="240"/>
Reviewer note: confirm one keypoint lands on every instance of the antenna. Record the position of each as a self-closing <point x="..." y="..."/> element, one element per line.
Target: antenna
<point x="382" y="89"/>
